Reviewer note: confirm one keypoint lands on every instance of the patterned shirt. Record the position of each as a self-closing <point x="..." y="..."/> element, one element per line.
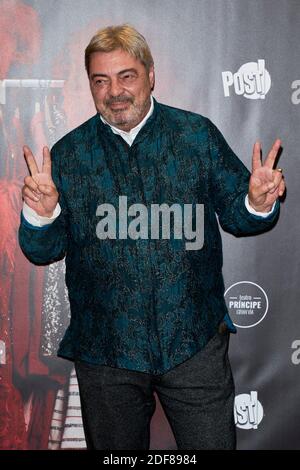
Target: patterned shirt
<point x="144" y="304"/>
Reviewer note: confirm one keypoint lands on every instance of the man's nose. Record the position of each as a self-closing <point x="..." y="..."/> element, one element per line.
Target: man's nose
<point x="115" y="88"/>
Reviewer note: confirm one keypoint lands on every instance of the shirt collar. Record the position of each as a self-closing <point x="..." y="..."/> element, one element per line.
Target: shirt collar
<point x="135" y="130"/>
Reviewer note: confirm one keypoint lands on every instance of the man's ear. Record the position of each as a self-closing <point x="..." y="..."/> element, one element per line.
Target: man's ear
<point x="152" y="77"/>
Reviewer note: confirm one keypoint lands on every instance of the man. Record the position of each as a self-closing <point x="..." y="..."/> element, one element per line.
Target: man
<point x="148" y="310"/>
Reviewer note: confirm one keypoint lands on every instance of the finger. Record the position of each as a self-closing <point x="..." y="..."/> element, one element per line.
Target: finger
<point x="30" y="202"/>
<point x="46" y="161"/>
<point x="277" y="178"/>
<point x="32" y="165"/>
<point x="281" y="187"/>
<point x="28" y="194"/>
<point x="47" y="189"/>
<point x="271" y="157"/>
<point x="264" y="189"/>
<point x="29" y="181"/>
<point x="256" y="160"/>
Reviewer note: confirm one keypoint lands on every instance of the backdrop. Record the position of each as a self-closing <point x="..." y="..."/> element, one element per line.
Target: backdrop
<point x="236" y="62"/>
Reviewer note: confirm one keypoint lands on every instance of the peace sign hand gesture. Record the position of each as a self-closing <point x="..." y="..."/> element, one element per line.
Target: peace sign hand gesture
<point x="39" y="191"/>
<point x="266" y="183"/>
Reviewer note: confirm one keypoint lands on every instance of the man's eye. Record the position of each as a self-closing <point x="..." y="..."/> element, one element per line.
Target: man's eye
<point x="128" y="77"/>
<point x="100" y="82"/>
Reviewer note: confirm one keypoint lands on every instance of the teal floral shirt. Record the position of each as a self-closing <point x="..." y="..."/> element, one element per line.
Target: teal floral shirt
<point x="143" y="304"/>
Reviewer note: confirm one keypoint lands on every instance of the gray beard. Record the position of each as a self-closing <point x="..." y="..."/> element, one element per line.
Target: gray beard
<point x="136" y="115"/>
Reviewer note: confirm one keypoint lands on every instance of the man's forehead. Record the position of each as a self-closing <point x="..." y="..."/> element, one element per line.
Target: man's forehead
<point x="114" y="61"/>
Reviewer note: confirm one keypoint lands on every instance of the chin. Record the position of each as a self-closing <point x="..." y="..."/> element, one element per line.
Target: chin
<point x="122" y="118"/>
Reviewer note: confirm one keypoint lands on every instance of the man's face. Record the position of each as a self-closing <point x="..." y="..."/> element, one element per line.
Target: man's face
<point x="121" y="87"/>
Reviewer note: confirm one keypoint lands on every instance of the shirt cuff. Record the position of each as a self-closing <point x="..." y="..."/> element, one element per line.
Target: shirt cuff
<point x="37" y="220"/>
<point x="254" y="212"/>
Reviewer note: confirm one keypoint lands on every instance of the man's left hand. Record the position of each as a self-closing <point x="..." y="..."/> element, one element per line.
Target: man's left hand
<point x="266" y="183"/>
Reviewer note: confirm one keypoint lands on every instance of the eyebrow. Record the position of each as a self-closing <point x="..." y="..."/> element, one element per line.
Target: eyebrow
<point x="119" y="73"/>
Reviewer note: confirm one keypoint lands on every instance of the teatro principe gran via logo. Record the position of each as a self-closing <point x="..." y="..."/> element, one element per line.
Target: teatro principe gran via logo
<point x="247" y="303"/>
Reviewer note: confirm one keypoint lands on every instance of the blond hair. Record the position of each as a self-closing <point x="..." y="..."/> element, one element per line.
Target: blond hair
<point x="123" y="37"/>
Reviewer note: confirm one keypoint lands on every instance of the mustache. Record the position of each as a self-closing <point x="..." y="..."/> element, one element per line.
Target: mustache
<point x="118" y="99"/>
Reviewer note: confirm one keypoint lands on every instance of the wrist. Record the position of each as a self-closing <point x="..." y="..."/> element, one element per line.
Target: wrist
<point x="40" y="220"/>
<point x="48" y="214"/>
<point x="260" y="208"/>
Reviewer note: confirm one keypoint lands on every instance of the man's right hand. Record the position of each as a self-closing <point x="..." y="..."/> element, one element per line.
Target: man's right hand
<point x="39" y="191"/>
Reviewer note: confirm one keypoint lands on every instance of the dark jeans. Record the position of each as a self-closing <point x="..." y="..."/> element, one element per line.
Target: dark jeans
<point x="197" y="397"/>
